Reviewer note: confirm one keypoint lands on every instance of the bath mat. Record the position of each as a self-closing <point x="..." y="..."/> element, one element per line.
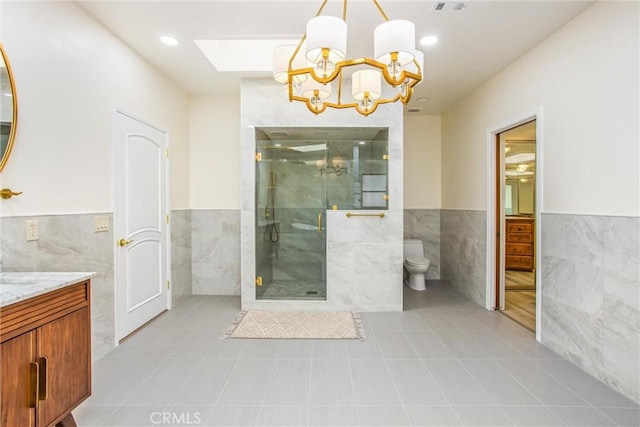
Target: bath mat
<point x="313" y="325"/>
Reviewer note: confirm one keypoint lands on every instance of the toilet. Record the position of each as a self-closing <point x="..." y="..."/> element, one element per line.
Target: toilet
<point x="416" y="264"/>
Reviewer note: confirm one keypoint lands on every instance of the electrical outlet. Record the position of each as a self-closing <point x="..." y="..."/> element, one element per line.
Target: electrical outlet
<point x="101" y="223"/>
<point x="32" y="230"/>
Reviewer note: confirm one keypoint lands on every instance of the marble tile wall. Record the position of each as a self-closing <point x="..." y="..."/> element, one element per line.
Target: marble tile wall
<point x="349" y="286"/>
<point x="215" y="250"/>
<point x="590" y="295"/>
<point x="68" y="243"/>
<point x="424" y="224"/>
<point x="463" y="252"/>
<point x="181" y="277"/>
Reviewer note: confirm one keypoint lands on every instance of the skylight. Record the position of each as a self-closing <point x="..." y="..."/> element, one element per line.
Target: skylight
<point x="241" y="55"/>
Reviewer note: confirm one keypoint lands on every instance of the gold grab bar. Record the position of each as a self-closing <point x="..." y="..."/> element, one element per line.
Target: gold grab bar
<point x="320" y="223"/>
<point x="350" y="214"/>
<point x="6" y="193"/>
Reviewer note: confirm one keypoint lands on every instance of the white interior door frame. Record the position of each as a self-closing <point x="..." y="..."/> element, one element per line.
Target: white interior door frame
<point x="116" y="214"/>
<point x="492" y="215"/>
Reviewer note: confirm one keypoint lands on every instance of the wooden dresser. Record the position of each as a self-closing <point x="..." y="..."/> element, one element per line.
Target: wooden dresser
<point x="519" y="245"/>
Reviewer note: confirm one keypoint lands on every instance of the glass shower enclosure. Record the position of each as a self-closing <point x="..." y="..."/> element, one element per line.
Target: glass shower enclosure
<point x="300" y="174"/>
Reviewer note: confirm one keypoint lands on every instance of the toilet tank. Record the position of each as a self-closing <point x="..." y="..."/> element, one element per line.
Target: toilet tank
<point x="413" y="248"/>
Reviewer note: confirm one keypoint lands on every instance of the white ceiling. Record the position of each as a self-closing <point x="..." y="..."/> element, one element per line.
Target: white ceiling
<point x="474" y="45"/>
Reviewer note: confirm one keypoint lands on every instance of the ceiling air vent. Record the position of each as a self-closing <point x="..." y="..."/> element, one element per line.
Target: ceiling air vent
<point x="446" y="5"/>
<point x="414" y="109"/>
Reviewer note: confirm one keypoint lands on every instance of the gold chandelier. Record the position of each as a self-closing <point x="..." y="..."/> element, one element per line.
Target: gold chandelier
<point x="308" y="76"/>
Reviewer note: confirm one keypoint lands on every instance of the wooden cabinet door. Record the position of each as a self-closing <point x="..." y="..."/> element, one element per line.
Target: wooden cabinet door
<point x="64" y="346"/>
<point x="17" y="381"/>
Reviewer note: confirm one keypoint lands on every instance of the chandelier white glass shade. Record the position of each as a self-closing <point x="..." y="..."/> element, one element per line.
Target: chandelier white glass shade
<point x="281" y="57"/>
<point x="326" y="40"/>
<point x="397" y="38"/>
<point x="390" y="77"/>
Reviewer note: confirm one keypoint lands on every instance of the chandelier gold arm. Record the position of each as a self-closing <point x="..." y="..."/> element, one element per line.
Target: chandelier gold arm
<point x="359" y="61"/>
<point x="384" y="15"/>
<point x="407" y="78"/>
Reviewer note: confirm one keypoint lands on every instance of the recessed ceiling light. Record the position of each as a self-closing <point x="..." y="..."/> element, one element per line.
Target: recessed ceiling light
<point x="169" y="41"/>
<point x="362" y="142"/>
<point x="429" y="40"/>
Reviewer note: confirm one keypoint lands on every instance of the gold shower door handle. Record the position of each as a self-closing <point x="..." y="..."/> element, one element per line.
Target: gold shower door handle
<point x="124" y="242"/>
<point x="320" y="223"/>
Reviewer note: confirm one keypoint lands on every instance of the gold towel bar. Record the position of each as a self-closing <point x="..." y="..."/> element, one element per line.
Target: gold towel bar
<point x="350" y="214"/>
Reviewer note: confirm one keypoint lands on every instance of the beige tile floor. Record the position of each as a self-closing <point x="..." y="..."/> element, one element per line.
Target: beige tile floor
<point x="444" y="361"/>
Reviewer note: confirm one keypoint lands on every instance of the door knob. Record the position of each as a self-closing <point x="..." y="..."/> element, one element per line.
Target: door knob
<point x="124" y="242"/>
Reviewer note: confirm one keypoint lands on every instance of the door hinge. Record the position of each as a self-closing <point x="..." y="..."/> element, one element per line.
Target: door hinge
<point x="259" y="281"/>
<point x="167" y="218"/>
<point x="385" y="157"/>
<point x="168" y="284"/>
<point x="385" y="197"/>
<point x="166" y="152"/>
<point x="258" y="157"/>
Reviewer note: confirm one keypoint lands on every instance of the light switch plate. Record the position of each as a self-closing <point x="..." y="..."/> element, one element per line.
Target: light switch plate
<point x="101" y="223"/>
<point x="32" y="230"/>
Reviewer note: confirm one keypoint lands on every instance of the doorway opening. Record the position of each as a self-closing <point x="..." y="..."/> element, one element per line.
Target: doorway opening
<point x="516" y="223"/>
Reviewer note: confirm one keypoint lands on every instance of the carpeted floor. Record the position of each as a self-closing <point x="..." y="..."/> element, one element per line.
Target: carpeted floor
<point x="297" y="325"/>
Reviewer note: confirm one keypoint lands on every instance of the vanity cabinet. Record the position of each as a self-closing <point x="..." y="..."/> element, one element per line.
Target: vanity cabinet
<point x="519" y="245"/>
<point x="45" y="357"/>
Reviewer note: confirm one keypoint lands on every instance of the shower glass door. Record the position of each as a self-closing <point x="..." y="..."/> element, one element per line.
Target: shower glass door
<point x="291" y="200"/>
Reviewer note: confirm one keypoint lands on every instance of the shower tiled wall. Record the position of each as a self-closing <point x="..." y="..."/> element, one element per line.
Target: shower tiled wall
<point x="380" y="286"/>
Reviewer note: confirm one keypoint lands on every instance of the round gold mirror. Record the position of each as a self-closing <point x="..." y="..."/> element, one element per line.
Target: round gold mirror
<point x="8" y="109"/>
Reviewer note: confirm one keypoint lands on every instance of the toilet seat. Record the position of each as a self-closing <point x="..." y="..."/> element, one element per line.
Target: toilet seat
<point x="418" y="261"/>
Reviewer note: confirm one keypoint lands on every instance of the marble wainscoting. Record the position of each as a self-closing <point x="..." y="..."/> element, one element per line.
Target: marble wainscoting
<point x="215" y="250"/>
<point x="68" y="243"/>
<point x="424" y="224"/>
<point x="463" y="252"/>
<point x="590" y="295"/>
<point x="181" y="277"/>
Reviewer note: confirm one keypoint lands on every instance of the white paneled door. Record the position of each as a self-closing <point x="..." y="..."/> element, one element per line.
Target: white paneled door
<point x="140" y="221"/>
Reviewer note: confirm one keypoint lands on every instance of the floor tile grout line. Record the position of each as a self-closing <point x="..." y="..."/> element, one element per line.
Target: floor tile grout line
<point x="233" y="370"/>
<point x="393" y="381"/>
<point x="466" y="332"/>
<point x="266" y="389"/>
<point x="353" y="386"/>
<point x="546" y="406"/>
<point x="422" y="362"/>
<point x="538" y="363"/>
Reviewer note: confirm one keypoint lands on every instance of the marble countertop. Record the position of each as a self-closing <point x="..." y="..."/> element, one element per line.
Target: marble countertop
<point x="19" y="286"/>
